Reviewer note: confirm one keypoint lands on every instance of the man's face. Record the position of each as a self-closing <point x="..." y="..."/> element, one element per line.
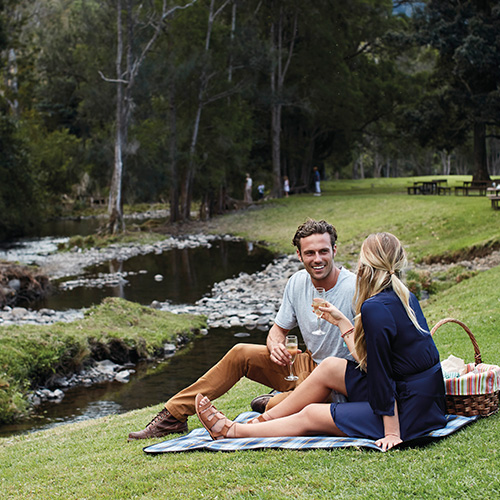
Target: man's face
<point x="316" y="253"/>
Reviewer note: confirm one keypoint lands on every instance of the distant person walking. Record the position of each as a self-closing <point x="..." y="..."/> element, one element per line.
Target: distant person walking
<point x="248" y="189"/>
<point x="317" y="181"/>
<point x="286" y="186"/>
<point x="261" y="189"/>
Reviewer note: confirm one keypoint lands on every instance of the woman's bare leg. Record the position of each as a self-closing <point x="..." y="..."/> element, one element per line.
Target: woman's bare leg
<point x="328" y="376"/>
<point x="311" y="420"/>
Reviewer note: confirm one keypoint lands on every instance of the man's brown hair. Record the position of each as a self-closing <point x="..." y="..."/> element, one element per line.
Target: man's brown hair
<point x="312" y="226"/>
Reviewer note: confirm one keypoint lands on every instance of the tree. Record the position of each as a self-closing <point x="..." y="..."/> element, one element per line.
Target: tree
<point x="283" y="34"/>
<point x="464" y="96"/>
<point x="21" y="203"/>
<point x="340" y="82"/>
<point x="128" y="39"/>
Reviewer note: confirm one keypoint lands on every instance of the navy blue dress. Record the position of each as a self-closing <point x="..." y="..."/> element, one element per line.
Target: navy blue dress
<point x="402" y="364"/>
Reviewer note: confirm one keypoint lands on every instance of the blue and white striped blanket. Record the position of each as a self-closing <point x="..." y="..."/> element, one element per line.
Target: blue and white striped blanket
<point x="199" y="439"/>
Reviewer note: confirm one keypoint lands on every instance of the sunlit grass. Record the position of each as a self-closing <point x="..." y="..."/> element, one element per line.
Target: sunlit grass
<point x="94" y="460"/>
<point x="428" y="226"/>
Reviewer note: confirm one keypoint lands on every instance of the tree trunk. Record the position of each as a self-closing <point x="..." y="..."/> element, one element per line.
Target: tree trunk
<point x="445" y="162"/>
<point x="361" y="167"/>
<point x="480" y="166"/>
<point x="377" y="165"/>
<point x="278" y="74"/>
<point x="172" y="153"/>
<point x="115" y="223"/>
<point x="276" y="149"/>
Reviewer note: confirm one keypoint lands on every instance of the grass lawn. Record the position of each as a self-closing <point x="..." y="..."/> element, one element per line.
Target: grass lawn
<point x="427" y="225"/>
<point x="94" y="460"/>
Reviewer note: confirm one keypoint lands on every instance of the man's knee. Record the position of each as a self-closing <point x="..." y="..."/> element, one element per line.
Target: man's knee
<point x="244" y="353"/>
<point x="243" y="350"/>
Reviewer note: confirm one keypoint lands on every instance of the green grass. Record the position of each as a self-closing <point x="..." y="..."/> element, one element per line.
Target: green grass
<point x="31" y="354"/>
<point x="428" y="226"/>
<point x="93" y="459"/>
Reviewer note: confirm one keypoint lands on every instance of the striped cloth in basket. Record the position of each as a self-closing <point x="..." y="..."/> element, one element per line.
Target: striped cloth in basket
<point x="478" y="379"/>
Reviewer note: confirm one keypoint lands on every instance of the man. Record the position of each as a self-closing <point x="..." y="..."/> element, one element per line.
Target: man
<point x="317" y="182"/>
<point x="316" y="248"/>
<point x="248" y="189"/>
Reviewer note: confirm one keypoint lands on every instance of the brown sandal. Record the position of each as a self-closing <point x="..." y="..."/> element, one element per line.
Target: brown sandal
<point x="260" y="418"/>
<point x="212" y="419"/>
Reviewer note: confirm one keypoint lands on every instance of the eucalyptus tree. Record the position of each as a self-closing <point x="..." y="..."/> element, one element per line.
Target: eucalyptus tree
<point x="136" y="33"/>
<point x="203" y="67"/>
<point x="339" y="83"/>
<point x="463" y="98"/>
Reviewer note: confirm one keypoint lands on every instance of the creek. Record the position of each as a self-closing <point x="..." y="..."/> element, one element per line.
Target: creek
<point x="186" y="276"/>
<point x="152" y="383"/>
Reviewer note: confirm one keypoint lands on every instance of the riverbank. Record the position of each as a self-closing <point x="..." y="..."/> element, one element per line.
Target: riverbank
<point x="111" y="337"/>
<point x="21" y="282"/>
<point x="93" y="459"/>
<point x="245" y="300"/>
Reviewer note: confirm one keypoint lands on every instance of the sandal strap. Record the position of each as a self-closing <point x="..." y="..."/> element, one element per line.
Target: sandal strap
<point x="259" y="419"/>
<point x="213" y="417"/>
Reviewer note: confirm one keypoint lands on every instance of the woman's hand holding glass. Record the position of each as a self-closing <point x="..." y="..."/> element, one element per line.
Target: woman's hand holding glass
<point x="332" y="314"/>
<point x="337" y="318"/>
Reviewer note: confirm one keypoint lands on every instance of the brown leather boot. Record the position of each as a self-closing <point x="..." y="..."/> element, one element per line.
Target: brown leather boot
<point x="162" y="425"/>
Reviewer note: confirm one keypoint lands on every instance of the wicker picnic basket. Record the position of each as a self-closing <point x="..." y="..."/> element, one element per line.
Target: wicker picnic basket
<point x="483" y="404"/>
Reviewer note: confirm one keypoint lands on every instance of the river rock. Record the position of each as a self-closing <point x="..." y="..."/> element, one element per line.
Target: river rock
<point x="123" y="376"/>
<point x="19" y="312"/>
<point x="106" y="366"/>
<point x="246" y="300"/>
<point x="169" y="349"/>
<point x="15" y="284"/>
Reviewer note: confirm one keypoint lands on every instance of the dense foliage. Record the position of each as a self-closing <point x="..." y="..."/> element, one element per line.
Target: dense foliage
<point x="145" y="101"/>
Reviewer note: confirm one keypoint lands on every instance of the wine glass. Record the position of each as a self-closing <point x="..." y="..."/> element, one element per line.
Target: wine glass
<point x="319" y="300"/>
<point x="292" y="345"/>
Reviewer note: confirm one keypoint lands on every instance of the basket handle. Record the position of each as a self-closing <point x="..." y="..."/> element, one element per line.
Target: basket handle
<point x="477" y="353"/>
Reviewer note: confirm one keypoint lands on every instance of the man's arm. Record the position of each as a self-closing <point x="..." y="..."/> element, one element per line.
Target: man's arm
<point x="276" y="345"/>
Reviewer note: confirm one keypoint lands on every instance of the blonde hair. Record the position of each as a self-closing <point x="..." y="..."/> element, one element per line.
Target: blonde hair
<point x="382" y="260"/>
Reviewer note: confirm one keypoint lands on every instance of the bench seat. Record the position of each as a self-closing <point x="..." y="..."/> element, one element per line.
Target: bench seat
<point x="494" y="202"/>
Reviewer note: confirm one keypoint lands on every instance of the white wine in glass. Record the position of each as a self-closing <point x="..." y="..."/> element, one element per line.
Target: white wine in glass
<point x="292" y="346"/>
<point x="319" y="300"/>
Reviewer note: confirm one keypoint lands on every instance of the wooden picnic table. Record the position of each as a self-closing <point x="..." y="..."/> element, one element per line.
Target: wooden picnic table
<point x="435" y="186"/>
<point x="470" y="187"/>
<point x="493" y="195"/>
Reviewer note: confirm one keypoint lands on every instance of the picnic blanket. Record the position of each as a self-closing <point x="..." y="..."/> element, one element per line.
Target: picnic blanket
<point x="199" y="439"/>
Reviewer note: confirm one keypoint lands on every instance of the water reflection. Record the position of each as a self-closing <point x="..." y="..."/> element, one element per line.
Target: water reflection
<point x="188" y="275"/>
<point x="151" y="384"/>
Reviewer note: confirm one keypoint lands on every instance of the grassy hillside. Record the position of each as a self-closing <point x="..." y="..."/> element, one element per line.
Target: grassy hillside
<point x="429" y="226"/>
<point x="94" y="460"/>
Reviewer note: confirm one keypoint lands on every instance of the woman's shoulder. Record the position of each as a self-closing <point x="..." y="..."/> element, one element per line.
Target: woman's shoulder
<point x="381" y="301"/>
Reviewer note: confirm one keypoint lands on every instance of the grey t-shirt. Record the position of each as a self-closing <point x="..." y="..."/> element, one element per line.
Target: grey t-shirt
<point x="296" y="310"/>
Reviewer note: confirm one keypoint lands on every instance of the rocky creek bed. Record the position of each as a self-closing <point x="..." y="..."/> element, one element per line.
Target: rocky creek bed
<point x="247" y="301"/>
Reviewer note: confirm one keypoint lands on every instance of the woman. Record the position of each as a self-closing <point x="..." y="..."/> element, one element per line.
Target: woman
<point x="394" y="390"/>
<point x="286" y="186"/>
